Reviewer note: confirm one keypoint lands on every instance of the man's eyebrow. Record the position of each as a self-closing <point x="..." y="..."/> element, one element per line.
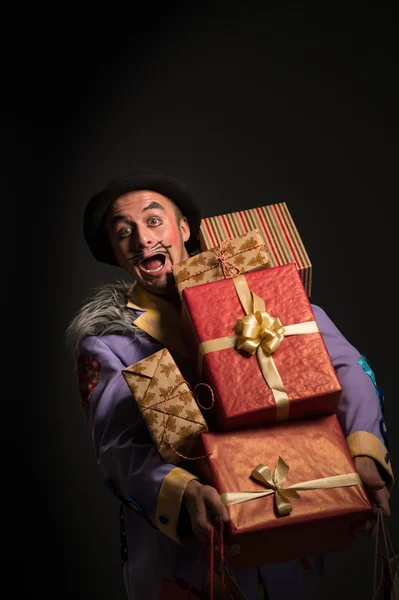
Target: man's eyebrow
<point x="116" y="218"/>
<point x="153" y="204"/>
<point x="120" y="217"/>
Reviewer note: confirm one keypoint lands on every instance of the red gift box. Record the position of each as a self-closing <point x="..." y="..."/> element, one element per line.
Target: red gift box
<point x="242" y="396"/>
<point x="321" y="520"/>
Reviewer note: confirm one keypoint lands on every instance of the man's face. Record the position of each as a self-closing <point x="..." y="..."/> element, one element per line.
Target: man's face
<point x="147" y="239"/>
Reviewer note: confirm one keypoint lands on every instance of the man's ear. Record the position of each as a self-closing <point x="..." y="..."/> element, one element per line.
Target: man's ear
<point x="185" y="229"/>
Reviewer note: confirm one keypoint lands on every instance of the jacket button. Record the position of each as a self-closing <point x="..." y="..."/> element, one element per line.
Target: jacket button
<point x="164" y="519"/>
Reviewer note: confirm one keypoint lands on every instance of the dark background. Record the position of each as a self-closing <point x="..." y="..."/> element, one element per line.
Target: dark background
<point x="250" y="107"/>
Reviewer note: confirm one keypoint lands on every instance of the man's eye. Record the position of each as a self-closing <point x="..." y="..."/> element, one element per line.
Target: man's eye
<point x="125" y="232"/>
<point x="154" y="221"/>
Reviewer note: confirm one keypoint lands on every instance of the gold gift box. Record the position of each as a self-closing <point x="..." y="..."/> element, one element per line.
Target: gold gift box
<point x="233" y="256"/>
<point x="167" y="404"/>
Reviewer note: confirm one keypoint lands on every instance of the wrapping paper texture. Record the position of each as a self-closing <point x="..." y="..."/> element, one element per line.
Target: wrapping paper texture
<point x="277" y="227"/>
<point x="242" y="396"/>
<point x="169" y="410"/>
<point x="320" y="521"/>
<point x="242" y="254"/>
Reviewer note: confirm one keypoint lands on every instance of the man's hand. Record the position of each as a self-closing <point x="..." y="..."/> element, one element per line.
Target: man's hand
<point x="375" y="487"/>
<point x="204" y="507"/>
<point x="373" y="483"/>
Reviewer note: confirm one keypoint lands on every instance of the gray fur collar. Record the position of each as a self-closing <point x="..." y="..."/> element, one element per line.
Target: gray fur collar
<point x="103" y="313"/>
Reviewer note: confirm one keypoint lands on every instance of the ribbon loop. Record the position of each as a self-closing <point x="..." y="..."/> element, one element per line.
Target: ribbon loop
<point x="264" y="475"/>
<point x="280" y="472"/>
<point x="284" y="507"/>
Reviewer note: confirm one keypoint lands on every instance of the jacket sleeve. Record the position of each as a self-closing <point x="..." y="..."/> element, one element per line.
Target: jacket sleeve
<point x="123" y="447"/>
<point x="360" y="411"/>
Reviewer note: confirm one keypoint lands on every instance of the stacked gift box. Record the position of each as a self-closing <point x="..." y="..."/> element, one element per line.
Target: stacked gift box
<point x="277" y="229"/>
<point x="271" y="443"/>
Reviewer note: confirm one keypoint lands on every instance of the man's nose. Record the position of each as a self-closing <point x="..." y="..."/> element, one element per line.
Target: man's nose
<point x="143" y="237"/>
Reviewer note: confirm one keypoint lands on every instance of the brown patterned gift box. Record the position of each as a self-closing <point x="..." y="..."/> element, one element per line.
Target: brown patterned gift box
<point x="277" y="228"/>
<point x="242" y="254"/>
<point x="167" y="404"/>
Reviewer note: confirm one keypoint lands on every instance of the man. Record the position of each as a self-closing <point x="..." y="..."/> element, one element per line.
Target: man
<point x="146" y="223"/>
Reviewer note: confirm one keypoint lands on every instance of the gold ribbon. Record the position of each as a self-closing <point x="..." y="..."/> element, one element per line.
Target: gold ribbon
<point x="261" y="334"/>
<point x="274" y="480"/>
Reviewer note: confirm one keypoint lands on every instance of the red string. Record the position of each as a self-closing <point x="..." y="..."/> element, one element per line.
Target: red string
<point x="212" y="394"/>
<point x="221" y="547"/>
<point x="211" y="561"/>
<point x="190" y="585"/>
<point x="225" y="268"/>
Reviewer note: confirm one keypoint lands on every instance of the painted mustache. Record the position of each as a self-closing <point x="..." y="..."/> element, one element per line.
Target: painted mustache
<point x="158" y="248"/>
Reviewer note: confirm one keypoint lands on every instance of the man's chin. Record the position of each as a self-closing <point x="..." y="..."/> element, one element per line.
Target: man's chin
<point x="160" y="285"/>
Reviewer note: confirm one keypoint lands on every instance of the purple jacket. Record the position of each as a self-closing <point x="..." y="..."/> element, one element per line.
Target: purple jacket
<point x="126" y="455"/>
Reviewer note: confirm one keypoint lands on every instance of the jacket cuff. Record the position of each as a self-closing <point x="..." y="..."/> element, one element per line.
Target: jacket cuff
<point x="169" y="501"/>
<point x="363" y="443"/>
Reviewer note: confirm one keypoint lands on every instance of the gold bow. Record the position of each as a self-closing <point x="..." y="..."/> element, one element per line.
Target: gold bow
<point x="259" y="329"/>
<point x="274" y="480"/>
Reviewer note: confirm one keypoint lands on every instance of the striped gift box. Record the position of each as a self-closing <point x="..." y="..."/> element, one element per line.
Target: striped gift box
<point x="277" y="228"/>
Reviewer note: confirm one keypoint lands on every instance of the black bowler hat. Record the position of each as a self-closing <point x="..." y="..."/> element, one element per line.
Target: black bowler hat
<point x="137" y="179"/>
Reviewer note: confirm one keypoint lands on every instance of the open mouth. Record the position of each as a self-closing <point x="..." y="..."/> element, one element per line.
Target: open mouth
<point x="153" y="264"/>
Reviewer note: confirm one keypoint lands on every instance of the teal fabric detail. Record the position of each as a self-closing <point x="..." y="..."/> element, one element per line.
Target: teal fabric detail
<point x="380" y="392"/>
<point x="367" y="369"/>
